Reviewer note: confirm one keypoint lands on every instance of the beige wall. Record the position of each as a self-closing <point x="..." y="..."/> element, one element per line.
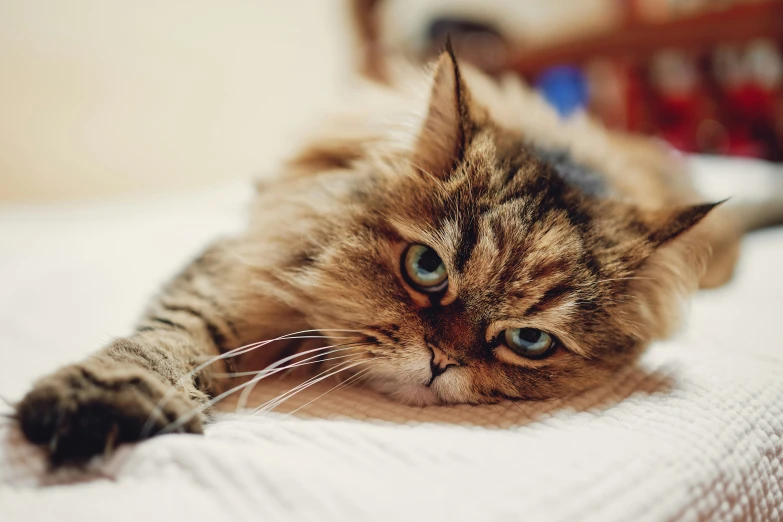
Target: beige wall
<point x="102" y="97"/>
<point x="106" y="97"/>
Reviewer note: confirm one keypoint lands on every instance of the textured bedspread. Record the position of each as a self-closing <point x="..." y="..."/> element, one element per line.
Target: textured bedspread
<point x="692" y="433"/>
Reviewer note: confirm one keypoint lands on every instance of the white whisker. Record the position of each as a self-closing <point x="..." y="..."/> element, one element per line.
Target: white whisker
<point x="250" y="347"/>
<point x="353" y="378"/>
<point x="269" y="405"/>
<point x="250" y="385"/>
<point x="231" y="353"/>
<point x="284" y="368"/>
<point x="195" y="411"/>
<point x="299" y="386"/>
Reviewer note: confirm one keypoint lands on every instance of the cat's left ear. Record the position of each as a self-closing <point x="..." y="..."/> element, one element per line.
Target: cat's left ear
<point x="667" y="224"/>
<point x="448" y="124"/>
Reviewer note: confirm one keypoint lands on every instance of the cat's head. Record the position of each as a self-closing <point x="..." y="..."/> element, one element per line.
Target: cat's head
<point x="477" y="270"/>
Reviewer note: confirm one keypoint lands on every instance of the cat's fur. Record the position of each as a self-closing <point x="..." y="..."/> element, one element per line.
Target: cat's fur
<point x="591" y="236"/>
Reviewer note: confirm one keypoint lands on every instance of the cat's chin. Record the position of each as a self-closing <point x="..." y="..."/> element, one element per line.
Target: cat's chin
<point x="407" y="393"/>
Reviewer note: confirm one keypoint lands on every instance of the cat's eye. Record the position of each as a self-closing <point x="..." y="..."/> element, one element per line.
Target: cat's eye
<point x="424" y="270"/>
<point x="528" y="342"/>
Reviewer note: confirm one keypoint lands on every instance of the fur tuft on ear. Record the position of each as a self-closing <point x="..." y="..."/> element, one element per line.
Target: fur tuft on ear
<point x="666" y="225"/>
<point x="448" y="124"/>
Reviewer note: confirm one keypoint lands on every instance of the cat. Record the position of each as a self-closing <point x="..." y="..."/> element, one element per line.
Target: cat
<point x="456" y="242"/>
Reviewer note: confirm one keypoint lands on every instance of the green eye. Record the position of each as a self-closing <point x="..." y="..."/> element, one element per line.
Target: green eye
<point x="424" y="270"/>
<point x="528" y="342"/>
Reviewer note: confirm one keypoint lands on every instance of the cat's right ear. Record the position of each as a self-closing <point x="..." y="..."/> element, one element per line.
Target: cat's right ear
<point x="448" y="124"/>
<point x="668" y="224"/>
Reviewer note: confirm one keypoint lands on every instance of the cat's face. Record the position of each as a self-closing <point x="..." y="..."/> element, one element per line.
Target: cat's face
<point x="476" y="272"/>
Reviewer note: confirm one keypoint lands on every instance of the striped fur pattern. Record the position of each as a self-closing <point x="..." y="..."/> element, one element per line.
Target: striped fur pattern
<point x="536" y="230"/>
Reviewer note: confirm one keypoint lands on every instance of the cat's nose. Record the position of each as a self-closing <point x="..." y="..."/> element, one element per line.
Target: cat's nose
<point x="440" y="363"/>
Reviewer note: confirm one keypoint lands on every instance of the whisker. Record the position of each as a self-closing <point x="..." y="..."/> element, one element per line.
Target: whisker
<point x="353" y="378"/>
<point x="195" y="411"/>
<point x="7" y="401"/>
<point x="248" y="387"/>
<point x="188" y="376"/>
<point x="318" y="359"/>
<point x="289" y="367"/>
<point x="250" y="347"/>
<point x="274" y="403"/>
<point x="299" y="386"/>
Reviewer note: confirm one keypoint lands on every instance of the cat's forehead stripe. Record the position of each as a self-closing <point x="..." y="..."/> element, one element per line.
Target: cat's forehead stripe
<point x="554" y="296"/>
<point x="468" y="240"/>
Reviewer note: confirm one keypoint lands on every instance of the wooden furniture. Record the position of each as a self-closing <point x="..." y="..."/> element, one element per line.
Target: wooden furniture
<point x="636" y="41"/>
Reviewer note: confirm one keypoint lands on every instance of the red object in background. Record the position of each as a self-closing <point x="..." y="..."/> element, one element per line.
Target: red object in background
<point x="706" y="115"/>
<point x="680" y="99"/>
<point x="677" y="120"/>
<point x="749" y="111"/>
<point x="637" y="92"/>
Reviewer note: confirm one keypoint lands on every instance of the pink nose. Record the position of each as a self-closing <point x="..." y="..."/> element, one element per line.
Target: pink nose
<point x="440" y="362"/>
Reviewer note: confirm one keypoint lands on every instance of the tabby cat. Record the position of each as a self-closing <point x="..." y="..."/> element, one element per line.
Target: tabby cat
<point x="454" y="239"/>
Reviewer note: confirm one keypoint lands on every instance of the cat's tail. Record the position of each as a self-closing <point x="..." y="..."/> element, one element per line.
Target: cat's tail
<point x="753" y="194"/>
<point x="762" y="214"/>
<point x="754" y="189"/>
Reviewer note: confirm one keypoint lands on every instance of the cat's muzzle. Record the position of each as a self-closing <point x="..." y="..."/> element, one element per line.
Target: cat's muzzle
<point x="439" y="363"/>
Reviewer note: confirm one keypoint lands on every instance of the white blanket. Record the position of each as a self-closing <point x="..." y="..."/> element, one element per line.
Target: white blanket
<point x="693" y="433"/>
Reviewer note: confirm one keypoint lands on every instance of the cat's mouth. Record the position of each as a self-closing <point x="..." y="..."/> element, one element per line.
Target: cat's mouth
<point x="422" y="375"/>
<point x="408" y="393"/>
<point x="426" y="387"/>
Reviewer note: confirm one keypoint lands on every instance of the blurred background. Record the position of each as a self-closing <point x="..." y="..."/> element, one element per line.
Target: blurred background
<point x="104" y="97"/>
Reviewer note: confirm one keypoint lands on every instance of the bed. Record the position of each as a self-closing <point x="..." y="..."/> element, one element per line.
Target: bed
<point x="693" y="432"/>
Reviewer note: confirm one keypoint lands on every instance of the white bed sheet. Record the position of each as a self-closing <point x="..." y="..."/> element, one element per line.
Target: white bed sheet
<point x="693" y="433"/>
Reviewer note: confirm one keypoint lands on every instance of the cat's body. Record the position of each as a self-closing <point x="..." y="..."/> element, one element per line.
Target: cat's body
<point x="457" y="240"/>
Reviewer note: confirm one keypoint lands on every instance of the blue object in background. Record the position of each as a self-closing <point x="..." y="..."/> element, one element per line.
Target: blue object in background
<point x="565" y="88"/>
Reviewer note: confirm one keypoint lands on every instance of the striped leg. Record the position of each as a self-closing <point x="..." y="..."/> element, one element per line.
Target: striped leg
<point x="137" y="385"/>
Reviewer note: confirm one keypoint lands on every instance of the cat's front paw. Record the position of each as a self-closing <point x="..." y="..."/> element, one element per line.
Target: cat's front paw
<point x="86" y="409"/>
